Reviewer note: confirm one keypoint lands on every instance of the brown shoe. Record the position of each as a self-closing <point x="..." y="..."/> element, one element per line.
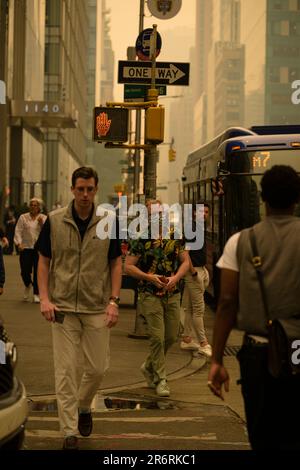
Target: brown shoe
<point x="85" y="424"/>
<point x="70" y="443"/>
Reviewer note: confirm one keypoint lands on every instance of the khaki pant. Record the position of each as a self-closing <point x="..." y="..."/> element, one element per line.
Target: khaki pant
<point x="80" y="343"/>
<point x="162" y="316"/>
<point x="193" y="302"/>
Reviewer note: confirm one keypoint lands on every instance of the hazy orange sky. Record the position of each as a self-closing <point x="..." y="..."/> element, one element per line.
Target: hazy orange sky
<point x="124" y="27"/>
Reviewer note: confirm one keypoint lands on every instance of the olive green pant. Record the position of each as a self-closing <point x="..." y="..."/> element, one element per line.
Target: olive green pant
<point x="162" y="315"/>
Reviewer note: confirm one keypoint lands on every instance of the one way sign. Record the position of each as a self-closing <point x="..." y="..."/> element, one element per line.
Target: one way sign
<point x="166" y="73"/>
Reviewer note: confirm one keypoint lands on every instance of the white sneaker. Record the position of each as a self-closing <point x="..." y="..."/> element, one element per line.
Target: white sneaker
<point x="36" y="299"/>
<point x="27" y="293"/>
<point x="191" y="346"/>
<point x="205" y="350"/>
<point x="162" y="389"/>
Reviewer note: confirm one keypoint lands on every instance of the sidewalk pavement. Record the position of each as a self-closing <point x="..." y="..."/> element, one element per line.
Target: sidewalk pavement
<point x="187" y="375"/>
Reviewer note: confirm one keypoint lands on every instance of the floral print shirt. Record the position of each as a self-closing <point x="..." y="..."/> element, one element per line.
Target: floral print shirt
<point x="161" y="257"/>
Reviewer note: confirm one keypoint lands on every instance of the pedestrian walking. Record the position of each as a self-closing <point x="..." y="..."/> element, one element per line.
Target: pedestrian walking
<point x="27" y="231"/>
<point x="79" y="278"/>
<point x="195" y="282"/>
<point x="271" y="404"/>
<point x="159" y="264"/>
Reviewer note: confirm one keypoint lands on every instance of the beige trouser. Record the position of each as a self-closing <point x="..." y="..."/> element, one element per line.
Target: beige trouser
<point x="80" y="344"/>
<point x="193" y="302"/>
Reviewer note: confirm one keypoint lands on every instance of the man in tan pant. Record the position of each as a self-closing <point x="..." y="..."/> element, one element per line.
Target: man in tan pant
<point x="79" y="276"/>
<point x="196" y="281"/>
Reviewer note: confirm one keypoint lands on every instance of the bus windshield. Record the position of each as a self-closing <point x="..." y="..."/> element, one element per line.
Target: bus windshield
<point x="259" y="161"/>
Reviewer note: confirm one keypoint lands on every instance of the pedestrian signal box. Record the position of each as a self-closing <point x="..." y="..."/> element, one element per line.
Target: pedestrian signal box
<point x="110" y="124"/>
<point x="172" y="155"/>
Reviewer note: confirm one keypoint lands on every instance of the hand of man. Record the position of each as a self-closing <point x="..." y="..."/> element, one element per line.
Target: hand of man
<point x="218" y="376"/>
<point x="40" y="220"/>
<point x="112" y="315"/>
<point x="172" y="281"/>
<point x="48" y="310"/>
<point x="155" y="279"/>
<point x="1" y="290"/>
<point x="5" y="242"/>
<point x="21" y="247"/>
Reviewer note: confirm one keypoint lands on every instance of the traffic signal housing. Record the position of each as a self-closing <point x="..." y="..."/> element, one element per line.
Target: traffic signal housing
<point x="154" y="124"/>
<point x="110" y="124"/>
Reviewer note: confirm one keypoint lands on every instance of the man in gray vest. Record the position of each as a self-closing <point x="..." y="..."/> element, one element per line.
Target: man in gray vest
<point x="271" y="404"/>
<point x="79" y="278"/>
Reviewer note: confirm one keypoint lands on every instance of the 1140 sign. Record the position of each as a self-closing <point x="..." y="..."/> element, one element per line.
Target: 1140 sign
<point x="110" y="124"/>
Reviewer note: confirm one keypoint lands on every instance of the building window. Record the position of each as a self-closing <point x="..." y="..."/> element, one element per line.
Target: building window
<point x="286" y="51"/>
<point x="295" y="28"/>
<point x="281" y="99"/>
<point x="284" y="74"/>
<point x="52" y="56"/>
<point x="281" y="28"/>
<point x="274" y="75"/>
<point x="294" y="5"/>
<point x="53" y="12"/>
<point x="294" y="74"/>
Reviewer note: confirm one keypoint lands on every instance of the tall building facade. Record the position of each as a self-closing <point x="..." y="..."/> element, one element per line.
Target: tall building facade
<point x="271" y="34"/>
<point x="25" y="84"/>
<point x="66" y="82"/>
<point x="219" y="68"/>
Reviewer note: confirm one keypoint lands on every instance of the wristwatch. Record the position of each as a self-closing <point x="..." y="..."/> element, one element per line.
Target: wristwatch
<point x="114" y="300"/>
<point x="195" y="274"/>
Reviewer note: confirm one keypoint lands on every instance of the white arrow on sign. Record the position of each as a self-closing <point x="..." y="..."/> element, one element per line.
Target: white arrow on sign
<point x="171" y="73"/>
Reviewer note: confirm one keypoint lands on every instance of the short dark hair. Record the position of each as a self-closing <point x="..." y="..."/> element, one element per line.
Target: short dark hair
<point x="280" y="187"/>
<point x="85" y="172"/>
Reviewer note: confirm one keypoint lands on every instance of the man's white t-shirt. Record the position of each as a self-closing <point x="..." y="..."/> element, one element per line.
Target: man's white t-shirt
<point x="228" y="259"/>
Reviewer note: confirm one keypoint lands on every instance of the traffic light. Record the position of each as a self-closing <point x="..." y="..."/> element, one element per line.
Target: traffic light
<point x="110" y="124"/>
<point x="172" y="155"/>
<point x="155" y="122"/>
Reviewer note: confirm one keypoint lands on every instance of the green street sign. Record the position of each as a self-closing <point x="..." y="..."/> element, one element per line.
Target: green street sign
<point x="134" y="93"/>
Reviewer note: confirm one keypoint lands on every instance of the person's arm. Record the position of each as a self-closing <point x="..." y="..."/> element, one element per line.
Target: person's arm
<point x="47" y="308"/>
<point x="132" y="270"/>
<point x="18" y="233"/>
<point x="112" y="309"/>
<point x="184" y="259"/>
<point x="225" y="321"/>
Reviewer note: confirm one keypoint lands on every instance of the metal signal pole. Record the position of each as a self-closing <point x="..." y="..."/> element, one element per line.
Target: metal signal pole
<point x="138" y="122"/>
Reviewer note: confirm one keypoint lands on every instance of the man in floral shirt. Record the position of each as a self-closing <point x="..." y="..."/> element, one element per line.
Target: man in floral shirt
<point x="159" y="264"/>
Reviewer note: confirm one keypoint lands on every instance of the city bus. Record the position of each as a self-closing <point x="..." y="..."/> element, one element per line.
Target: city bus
<point x="225" y="173"/>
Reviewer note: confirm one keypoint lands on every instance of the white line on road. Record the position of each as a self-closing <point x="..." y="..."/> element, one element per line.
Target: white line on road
<point x="208" y="437"/>
<point x="151" y="419"/>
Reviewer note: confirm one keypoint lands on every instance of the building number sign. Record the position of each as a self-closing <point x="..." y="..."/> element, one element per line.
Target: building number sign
<point x="40" y="107"/>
